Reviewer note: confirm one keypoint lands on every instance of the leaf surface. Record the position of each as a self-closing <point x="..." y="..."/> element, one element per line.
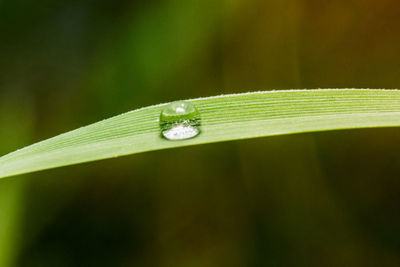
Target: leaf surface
<point x="223" y="118"/>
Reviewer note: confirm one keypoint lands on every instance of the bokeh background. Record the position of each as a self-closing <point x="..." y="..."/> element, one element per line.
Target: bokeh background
<point x="320" y="199"/>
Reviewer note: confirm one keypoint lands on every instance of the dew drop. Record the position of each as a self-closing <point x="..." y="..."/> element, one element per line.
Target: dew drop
<point x="179" y="120"/>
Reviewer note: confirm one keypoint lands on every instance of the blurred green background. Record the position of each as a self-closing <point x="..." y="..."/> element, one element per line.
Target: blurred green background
<point x="321" y="199"/>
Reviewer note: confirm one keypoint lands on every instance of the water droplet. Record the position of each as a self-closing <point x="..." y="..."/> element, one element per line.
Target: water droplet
<point x="180" y="120"/>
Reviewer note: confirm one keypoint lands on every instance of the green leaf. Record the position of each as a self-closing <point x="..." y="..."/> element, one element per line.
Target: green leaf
<point x="223" y="118"/>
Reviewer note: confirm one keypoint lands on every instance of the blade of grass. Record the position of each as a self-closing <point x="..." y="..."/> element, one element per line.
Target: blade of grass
<point x="16" y="114"/>
<point x="11" y="203"/>
<point x="225" y="117"/>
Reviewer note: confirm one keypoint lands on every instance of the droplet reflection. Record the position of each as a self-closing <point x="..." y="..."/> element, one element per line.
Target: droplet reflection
<point x="179" y="120"/>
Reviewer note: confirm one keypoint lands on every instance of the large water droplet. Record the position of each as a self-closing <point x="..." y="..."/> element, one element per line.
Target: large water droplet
<point x="180" y="120"/>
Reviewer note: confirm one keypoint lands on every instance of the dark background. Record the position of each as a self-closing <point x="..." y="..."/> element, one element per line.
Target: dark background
<point x="321" y="199"/>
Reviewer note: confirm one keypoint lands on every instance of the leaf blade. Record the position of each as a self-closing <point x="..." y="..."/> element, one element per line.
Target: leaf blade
<point x="224" y="118"/>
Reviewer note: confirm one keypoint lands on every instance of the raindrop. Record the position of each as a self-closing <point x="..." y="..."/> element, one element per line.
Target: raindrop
<point x="179" y="120"/>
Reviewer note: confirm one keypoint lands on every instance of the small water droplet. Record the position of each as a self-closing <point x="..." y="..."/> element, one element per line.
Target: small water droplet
<point x="179" y="120"/>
